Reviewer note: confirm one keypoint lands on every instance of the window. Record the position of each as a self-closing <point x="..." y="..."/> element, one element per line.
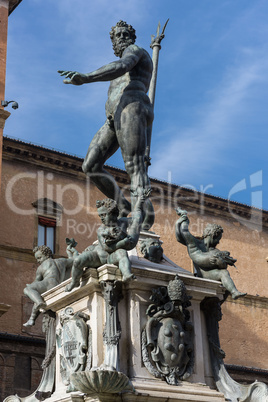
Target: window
<point x="46" y="232"/>
<point x="48" y="215"/>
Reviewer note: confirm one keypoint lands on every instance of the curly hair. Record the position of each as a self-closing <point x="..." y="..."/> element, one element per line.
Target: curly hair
<point x="110" y="204"/>
<point x="45" y="250"/>
<point x="124" y="24"/>
<point x="212" y="229"/>
<point x="129" y="41"/>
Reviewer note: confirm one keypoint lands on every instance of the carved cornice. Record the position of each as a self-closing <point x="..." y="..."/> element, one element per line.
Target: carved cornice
<point x="48" y="159"/>
<point x="17" y="253"/>
<point x="20" y="254"/>
<point x="52" y="160"/>
<point x="245" y="369"/>
<point x="48" y="207"/>
<point x="247" y="374"/>
<point x="208" y="204"/>
<point x="14" y="150"/>
<point x="250" y="301"/>
<point x="5" y="336"/>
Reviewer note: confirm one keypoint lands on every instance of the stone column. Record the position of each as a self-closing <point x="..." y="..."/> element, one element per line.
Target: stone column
<point x="112" y="294"/>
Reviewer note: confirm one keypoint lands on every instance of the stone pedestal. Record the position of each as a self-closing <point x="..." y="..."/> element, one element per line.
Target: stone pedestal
<point x="154" y="339"/>
<point x="142" y="386"/>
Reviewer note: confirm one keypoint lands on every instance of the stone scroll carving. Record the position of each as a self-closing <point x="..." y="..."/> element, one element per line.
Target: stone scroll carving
<point x="106" y="379"/>
<point x="74" y="343"/>
<point x="232" y="390"/>
<point x="167" y="340"/>
<point x="112" y="294"/>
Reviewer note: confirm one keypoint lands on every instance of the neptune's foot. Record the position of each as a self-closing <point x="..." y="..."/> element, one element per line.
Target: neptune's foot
<point x="237" y="294"/>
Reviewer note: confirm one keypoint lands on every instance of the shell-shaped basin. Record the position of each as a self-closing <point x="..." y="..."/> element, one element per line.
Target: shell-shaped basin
<point x="101" y="381"/>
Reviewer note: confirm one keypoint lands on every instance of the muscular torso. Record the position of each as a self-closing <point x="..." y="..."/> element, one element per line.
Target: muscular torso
<point x="49" y="270"/>
<point x="134" y="84"/>
<point x="103" y="230"/>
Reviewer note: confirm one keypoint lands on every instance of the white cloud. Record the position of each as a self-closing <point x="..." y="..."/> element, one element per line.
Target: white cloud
<point x="194" y="151"/>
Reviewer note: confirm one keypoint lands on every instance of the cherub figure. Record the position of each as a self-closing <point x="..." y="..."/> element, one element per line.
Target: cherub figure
<point x="151" y="249"/>
<point x="209" y="262"/>
<point x="115" y="237"/>
<point x="49" y="274"/>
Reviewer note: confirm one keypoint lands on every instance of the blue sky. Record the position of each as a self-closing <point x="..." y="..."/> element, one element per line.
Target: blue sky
<point x="211" y="119"/>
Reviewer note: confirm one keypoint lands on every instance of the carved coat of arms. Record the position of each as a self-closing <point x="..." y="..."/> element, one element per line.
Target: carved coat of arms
<point x="167" y="339"/>
<point x="74" y="342"/>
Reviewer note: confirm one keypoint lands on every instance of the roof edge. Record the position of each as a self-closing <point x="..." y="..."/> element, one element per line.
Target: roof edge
<point x="12" y="5"/>
<point x="212" y="198"/>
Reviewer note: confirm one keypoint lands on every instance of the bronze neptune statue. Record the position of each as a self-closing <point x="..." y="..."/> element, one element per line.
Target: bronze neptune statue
<point x="129" y="116"/>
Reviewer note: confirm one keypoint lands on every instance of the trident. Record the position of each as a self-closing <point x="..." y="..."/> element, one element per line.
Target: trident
<point x="156" y="46"/>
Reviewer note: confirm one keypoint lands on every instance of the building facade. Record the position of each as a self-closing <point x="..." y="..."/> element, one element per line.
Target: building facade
<point x="46" y="198"/>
